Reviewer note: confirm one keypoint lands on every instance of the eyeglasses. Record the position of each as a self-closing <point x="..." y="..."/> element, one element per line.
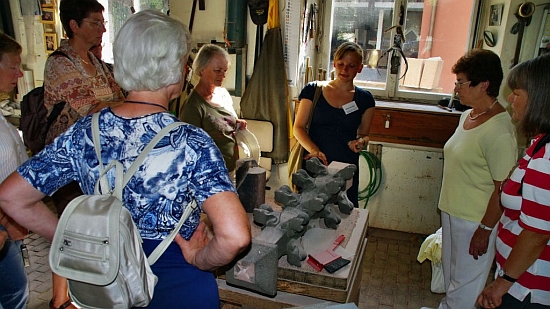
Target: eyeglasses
<point x="97" y="23"/>
<point x="458" y="85"/>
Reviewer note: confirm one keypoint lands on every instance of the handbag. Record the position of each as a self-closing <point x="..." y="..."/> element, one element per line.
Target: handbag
<point x="97" y="246"/>
<point x="296" y="156"/>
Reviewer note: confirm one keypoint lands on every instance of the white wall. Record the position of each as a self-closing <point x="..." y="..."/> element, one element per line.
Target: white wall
<point x="408" y="196"/>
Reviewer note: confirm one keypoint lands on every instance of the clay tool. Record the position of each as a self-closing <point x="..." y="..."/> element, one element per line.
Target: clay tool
<point x="320" y="260"/>
<point x="336" y="265"/>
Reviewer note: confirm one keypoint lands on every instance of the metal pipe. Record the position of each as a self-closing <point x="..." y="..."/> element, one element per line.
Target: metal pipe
<point x="235" y="23"/>
<point x="429" y="39"/>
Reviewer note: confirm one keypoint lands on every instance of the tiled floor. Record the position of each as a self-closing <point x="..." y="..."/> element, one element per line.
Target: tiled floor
<point x="392" y="278"/>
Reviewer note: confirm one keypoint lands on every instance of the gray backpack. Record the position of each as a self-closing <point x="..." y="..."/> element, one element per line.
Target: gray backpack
<point x="97" y="246"/>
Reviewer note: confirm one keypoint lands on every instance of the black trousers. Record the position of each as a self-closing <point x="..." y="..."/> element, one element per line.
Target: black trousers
<point x="510" y="302"/>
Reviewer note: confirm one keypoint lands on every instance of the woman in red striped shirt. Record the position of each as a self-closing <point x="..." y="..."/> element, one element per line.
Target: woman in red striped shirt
<point x="523" y="244"/>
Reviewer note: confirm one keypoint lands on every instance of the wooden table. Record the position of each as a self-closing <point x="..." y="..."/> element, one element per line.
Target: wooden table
<point x="302" y="286"/>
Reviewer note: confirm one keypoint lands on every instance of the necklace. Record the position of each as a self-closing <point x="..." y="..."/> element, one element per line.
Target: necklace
<point x="146" y="103"/>
<point x="482" y="113"/>
<point x="85" y="62"/>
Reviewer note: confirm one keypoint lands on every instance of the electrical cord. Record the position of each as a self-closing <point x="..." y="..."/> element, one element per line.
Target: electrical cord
<point x="375" y="176"/>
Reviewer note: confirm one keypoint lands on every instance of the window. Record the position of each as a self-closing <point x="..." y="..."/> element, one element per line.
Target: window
<point x="431" y="34"/>
<point x="117" y="12"/>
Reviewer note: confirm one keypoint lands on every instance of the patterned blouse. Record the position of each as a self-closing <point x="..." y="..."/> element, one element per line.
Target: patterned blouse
<point x="184" y="165"/>
<point x="65" y="79"/>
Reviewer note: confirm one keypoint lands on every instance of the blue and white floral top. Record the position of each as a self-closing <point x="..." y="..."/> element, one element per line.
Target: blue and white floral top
<point x="184" y="165"/>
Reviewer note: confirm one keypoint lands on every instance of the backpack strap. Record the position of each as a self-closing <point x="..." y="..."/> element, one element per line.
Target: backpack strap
<point x="102" y="184"/>
<point x="122" y="180"/>
<point x="136" y="164"/>
<point x="316" y="95"/>
<point x="159" y="250"/>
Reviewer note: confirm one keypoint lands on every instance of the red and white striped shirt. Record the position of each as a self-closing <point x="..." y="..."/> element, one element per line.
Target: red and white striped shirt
<point x="529" y="210"/>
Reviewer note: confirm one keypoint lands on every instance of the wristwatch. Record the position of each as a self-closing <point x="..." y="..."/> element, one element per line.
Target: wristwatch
<point x="502" y="273"/>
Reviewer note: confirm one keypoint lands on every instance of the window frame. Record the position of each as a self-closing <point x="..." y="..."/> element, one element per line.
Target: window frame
<point x="110" y="35"/>
<point x="391" y="92"/>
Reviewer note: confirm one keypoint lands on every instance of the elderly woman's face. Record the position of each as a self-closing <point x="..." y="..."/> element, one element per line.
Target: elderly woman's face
<point x="92" y="28"/>
<point x="10" y="71"/>
<point x="214" y="73"/>
<point x="518" y="98"/>
<point x="469" y="95"/>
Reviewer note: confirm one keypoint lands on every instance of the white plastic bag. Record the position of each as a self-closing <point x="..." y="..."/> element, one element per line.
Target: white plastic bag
<point x="438" y="283"/>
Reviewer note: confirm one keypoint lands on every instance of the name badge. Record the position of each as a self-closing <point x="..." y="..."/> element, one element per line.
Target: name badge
<point x="350" y="107"/>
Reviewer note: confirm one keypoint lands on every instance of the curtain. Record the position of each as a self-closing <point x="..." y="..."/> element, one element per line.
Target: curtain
<point x="266" y="96"/>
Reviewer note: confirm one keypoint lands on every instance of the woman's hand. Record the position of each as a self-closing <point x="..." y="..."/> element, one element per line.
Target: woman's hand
<point x="358" y="144"/>
<point x="16" y="231"/>
<point x="241" y="124"/>
<point x="317" y="154"/>
<point x="479" y="243"/>
<point x="12" y="230"/>
<point x="189" y="248"/>
<point x="491" y="296"/>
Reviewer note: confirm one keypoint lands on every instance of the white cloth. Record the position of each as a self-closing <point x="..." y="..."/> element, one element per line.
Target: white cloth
<point x="431" y="248"/>
<point x="438" y="281"/>
<point x="7" y="108"/>
<point x="465" y="277"/>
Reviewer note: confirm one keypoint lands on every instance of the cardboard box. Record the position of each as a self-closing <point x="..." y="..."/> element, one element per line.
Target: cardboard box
<point x="431" y="73"/>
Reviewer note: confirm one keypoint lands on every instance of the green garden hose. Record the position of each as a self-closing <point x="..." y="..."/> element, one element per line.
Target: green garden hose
<point x="375" y="176"/>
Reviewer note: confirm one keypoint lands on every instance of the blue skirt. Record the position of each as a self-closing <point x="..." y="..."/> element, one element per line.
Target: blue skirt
<point x="180" y="285"/>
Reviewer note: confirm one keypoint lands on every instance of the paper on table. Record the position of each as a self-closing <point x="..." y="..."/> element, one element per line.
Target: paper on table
<point x="317" y="240"/>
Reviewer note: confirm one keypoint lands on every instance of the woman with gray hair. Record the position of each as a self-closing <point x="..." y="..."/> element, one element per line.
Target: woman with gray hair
<point x="210" y="107"/>
<point x="150" y="53"/>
